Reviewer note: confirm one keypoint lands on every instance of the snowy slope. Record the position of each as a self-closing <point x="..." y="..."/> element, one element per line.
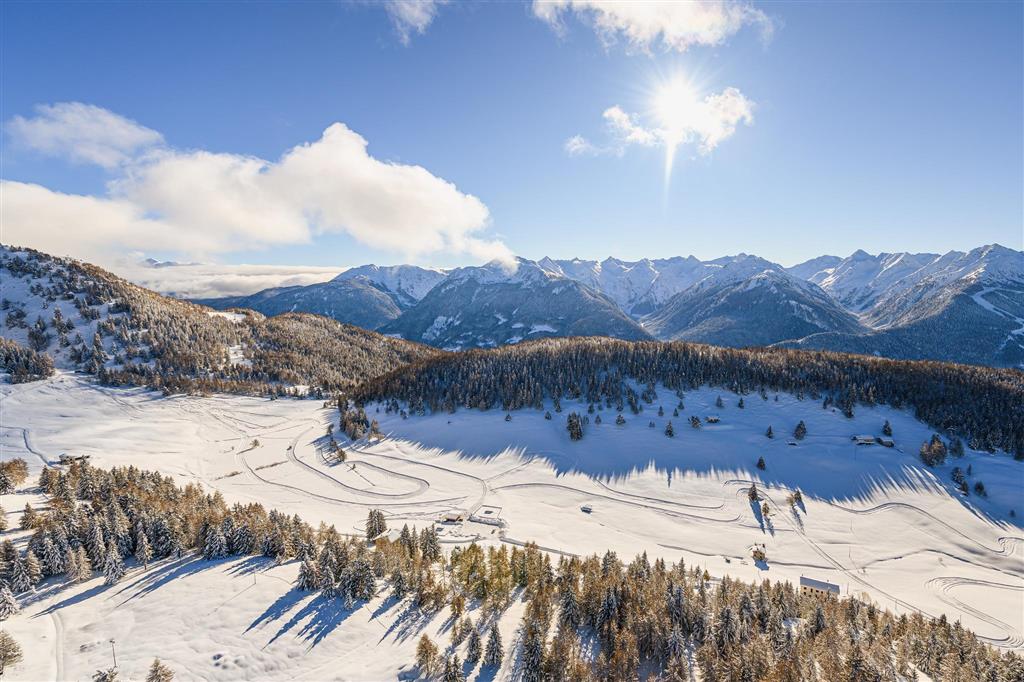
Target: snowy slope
<point x="493" y="305"/>
<point x="743" y="305"/>
<point x="875" y="520"/>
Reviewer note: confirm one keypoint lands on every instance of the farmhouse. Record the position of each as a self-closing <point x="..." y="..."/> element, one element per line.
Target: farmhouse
<point x="887" y="442"/>
<point x="817" y="588"/>
<point x="864" y="440"/>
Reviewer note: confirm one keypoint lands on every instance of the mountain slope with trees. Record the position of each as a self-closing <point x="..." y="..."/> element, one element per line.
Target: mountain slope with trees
<point x="85" y="318"/>
<point x="982" y="405"/>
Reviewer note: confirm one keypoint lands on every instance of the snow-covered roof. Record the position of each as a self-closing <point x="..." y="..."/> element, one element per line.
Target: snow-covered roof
<point x="819" y="585"/>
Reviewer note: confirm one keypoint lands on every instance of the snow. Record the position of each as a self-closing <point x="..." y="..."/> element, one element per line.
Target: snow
<point x="537" y="328"/>
<point x="875" y="521"/>
<point x="231" y="317"/>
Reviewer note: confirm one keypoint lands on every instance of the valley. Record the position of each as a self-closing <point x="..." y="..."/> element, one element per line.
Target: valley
<point x="872" y="520"/>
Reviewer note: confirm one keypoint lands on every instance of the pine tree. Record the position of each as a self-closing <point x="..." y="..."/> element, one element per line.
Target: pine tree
<point x="28" y="517"/>
<point x="574" y="425"/>
<point x="34" y="567"/>
<point x="308" y="576"/>
<point x="493" y="652"/>
<point x="426" y="656"/>
<point x="474" y="649"/>
<point x="760" y="463"/>
<point x="669" y="430"/>
<point x="215" y="546"/>
<point x="83" y="566"/>
<point x="6" y="484"/>
<point x="800" y="431"/>
<point x="158" y="672"/>
<point x="113" y="568"/>
<point x="453" y="669"/>
<point x="769" y="432"/>
<point x="887" y="428"/>
<point x="143" y="552"/>
<point x="8" y="603"/>
<point x="20" y="579"/>
<point x="569" y="613"/>
<point x="10" y="651"/>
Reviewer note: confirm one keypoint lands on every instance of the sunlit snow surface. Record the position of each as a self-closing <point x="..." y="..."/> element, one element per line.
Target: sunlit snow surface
<point x="876" y="521"/>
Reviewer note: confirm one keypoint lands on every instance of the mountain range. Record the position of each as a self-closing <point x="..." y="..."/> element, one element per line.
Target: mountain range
<point x="959" y="306"/>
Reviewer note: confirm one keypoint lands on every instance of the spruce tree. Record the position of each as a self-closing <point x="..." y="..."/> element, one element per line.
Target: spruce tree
<point x="493" y="652"/>
<point x="474" y="649"/>
<point x="8" y="603"/>
<point x="10" y="651"/>
<point x="158" y="672"/>
<point x="113" y="568"/>
<point x="800" y="431"/>
<point x="143" y="552"/>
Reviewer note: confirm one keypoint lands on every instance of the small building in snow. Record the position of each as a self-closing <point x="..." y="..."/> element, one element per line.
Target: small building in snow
<point x="817" y="588"/>
<point x="887" y="442"/>
<point x="864" y="440"/>
<point x="712" y="419"/>
<point x="453" y="517"/>
<point x="67" y="459"/>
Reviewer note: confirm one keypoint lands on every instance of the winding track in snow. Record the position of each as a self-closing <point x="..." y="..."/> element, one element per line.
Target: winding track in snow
<point x="944" y="585"/>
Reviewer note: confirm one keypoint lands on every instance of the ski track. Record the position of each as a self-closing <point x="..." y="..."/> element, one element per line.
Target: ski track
<point x="58" y="644"/>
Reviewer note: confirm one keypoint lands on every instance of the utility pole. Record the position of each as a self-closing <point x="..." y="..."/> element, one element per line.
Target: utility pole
<point x="113" y="653"/>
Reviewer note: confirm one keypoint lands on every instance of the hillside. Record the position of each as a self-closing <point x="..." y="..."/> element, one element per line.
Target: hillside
<point x="351" y="301"/>
<point x="85" y="318"/>
<point x="984" y="406"/>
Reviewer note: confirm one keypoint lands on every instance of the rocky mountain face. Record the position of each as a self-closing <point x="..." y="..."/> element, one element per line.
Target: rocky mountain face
<point x="743" y="305"/>
<point x="894" y="304"/>
<point x="498" y="304"/>
<point x="960" y="307"/>
<point x="368" y="296"/>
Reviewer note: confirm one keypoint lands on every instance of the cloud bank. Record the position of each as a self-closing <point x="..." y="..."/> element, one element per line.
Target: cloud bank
<point x="198" y="203"/>
<point x="642" y="24"/>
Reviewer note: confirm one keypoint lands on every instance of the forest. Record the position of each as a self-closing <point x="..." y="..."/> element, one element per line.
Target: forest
<point x="585" y="618"/>
<point x="984" y="406"/>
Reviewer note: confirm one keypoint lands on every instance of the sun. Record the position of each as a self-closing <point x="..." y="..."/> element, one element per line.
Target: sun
<point x="675" y="104"/>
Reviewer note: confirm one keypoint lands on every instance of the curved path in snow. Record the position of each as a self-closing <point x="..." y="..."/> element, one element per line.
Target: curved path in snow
<point x="945" y="586"/>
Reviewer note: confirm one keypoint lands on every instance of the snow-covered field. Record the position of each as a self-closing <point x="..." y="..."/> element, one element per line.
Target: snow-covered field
<point x="874" y="519"/>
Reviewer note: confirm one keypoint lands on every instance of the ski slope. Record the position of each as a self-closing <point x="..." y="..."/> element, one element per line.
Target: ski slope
<point x="873" y="520"/>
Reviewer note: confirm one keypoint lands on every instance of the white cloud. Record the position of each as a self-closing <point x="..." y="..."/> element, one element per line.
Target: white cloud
<point x="199" y="203"/>
<point x="201" y="280"/>
<point x="643" y="23"/>
<point x="412" y="16"/>
<point x="83" y="133"/>
<point x="703" y="123"/>
<point x="625" y="128"/>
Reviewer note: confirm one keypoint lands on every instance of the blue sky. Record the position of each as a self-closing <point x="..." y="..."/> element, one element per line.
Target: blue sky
<point x="882" y="126"/>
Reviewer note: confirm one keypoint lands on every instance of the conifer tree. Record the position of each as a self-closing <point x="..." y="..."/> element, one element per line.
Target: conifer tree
<point x="426" y="656"/>
<point x="20" y="579"/>
<point x="158" y="672"/>
<point x="83" y="566"/>
<point x="769" y="432"/>
<point x="8" y="603"/>
<point x="10" y="651"/>
<point x="669" y="430"/>
<point x="143" y="552"/>
<point x="474" y="650"/>
<point x="887" y="428"/>
<point x="113" y="568"/>
<point x="800" y="431"/>
<point x="28" y="517"/>
<point x="493" y="652"/>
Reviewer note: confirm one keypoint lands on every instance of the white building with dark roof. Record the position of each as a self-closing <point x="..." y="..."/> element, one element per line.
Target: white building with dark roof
<point x="817" y="588"/>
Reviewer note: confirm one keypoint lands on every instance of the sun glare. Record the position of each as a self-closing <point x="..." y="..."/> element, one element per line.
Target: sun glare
<point x="675" y="105"/>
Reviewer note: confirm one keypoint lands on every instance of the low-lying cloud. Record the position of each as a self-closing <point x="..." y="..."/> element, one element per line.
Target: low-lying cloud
<point x="199" y="204"/>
